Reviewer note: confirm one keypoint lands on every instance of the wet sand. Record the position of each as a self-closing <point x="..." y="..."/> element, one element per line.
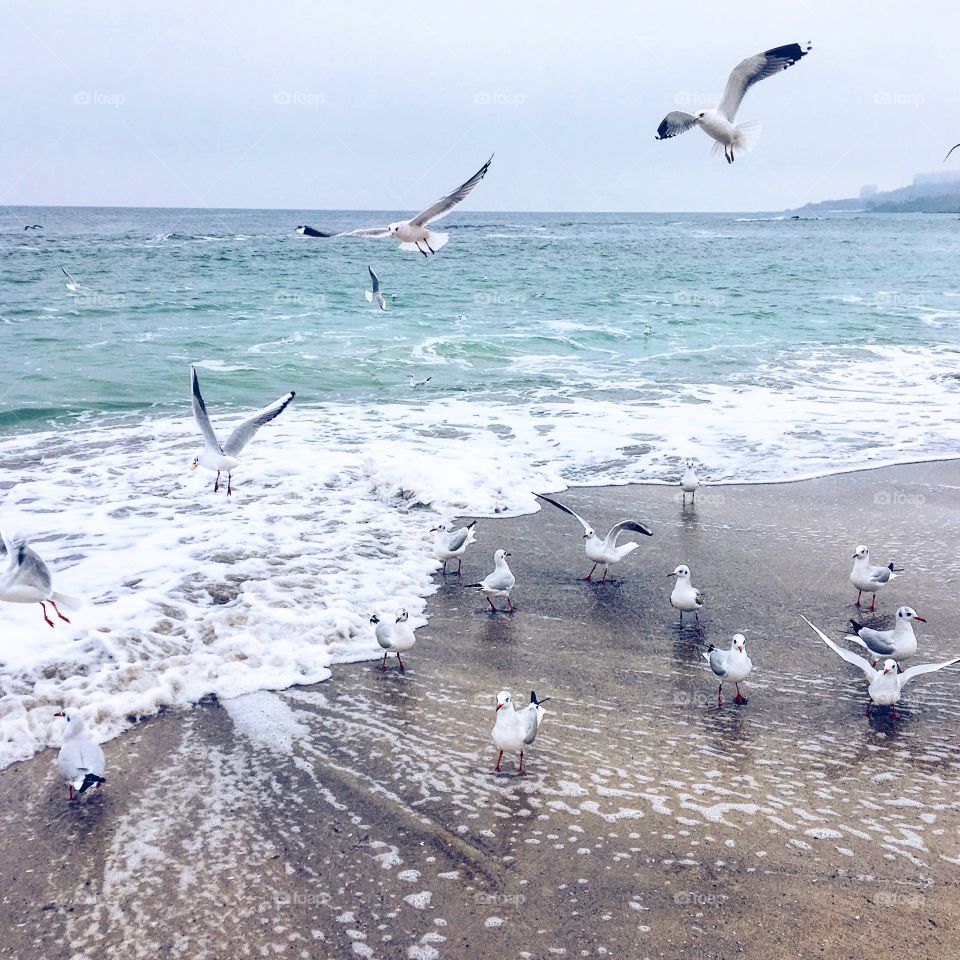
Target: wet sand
<point x="358" y="818"/>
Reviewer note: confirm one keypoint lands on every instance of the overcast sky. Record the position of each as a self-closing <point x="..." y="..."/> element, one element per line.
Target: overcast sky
<point x="386" y="105"/>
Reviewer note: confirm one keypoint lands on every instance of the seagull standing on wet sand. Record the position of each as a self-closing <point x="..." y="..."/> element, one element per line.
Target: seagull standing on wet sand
<point x="224" y="458"/>
<point x="685" y="597"/>
<point x="80" y="761"/>
<point x="452" y="546"/>
<point x="732" y="665"/>
<point x="413" y="233"/>
<point x="515" y="729"/>
<point x="375" y="293"/>
<point x="886" y="684"/>
<point x="603" y="551"/>
<point x="397" y="637"/>
<point x="499" y="583"/>
<point x="27" y="580"/>
<point x="718" y="123"/>
<point x="898" y="643"/>
<point x="868" y="578"/>
<point x="689" y="483"/>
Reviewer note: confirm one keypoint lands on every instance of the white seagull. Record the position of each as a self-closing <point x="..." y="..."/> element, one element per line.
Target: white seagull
<point x="732" y="665"/>
<point x="898" y="643"/>
<point x="685" y="597"/>
<point x="27" y="580"/>
<point x="80" y="761"/>
<point x="718" y="123"/>
<point x="689" y="483"/>
<point x="413" y="233"/>
<point x="868" y="578"/>
<point x="72" y="284"/>
<point x="449" y="545"/>
<point x="414" y="382"/>
<point x="603" y="550"/>
<point x="397" y="637"/>
<point x="224" y="458"/>
<point x="500" y="582"/>
<point x="885" y="685"/>
<point x="375" y="293"/>
<point x="515" y="729"/>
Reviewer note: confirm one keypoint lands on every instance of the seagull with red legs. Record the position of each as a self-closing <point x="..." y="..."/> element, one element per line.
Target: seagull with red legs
<point x="223" y="459"/>
<point x="516" y="729"/>
<point x="499" y="582"/>
<point x="685" y="597"/>
<point x="886" y="683"/>
<point x="80" y="761"/>
<point x="869" y="578"/>
<point x="732" y="666"/>
<point x="603" y="551"/>
<point x="453" y="545"/>
<point x="397" y="637"/>
<point x="27" y="580"/>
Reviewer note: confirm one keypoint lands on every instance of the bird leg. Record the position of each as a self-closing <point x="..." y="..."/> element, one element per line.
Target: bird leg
<point x="859" y="595"/>
<point x="492" y="607"/>
<point x="424" y="252"/>
<point x="427" y="242"/>
<point x="520" y="770"/>
<point x="45" y="617"/>
<point x="459" y="565"/>
<point x="383" y="663"/>
<point x="604" y="577"/>
<point x="719" y="697"/>
<point x="873" y="606"/>
<point x="590" y="574"/>
<point x="69" y="791"/>
<point x="867" y="712"/>
<point x="739" y="698"/>
<point x="229" y="481"/>
<point x="216" y="483"/>
<point x="496" y="769"/>
<point x="443" y="572"/>
<point x="53" y="603"/>
<point x="510" y="605"/>
<point x="403" y="669"/>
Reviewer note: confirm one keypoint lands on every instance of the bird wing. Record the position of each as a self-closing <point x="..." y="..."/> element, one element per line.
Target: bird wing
<point x="69" y="275"/>
<point x="201" y="416"/>
<point x="363" y="232"/>
<point x="875" y="641"/>
<point x="445" y="204"/>
<point x="374" y="279"/>
<point x="879" y="575"/>
<point x="954" y="147"/>
<point x="245" y="432"/>
<point x="634" y="525"/>
<point x="529" y="719"/>
<point x="675" y="122"/>
<point x="458" y="538"/>
<point x="583" y="523"/>
<point x="920" y="668"/>
<point x="499" y="580"/>
<point x="748" y="72"/>
<point x="718" y="662"/>
<point x="847" y="655"/>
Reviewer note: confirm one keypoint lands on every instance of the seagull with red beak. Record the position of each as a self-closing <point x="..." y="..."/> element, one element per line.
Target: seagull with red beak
<point x="515" y="729"/>
<point x="898" y="643"/>
<point x="499" y="582"/>
<point x="732" y="665"/>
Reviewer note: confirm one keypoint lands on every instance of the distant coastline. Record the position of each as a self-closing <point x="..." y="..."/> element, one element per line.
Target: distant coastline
<point x="929" y="193"/>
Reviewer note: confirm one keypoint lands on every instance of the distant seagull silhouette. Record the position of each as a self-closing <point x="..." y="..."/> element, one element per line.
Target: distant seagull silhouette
<point x="954" y="147"/>
<point x="718" y="123"/>
<point x="413" y="234"/>
<point x="375" y="294"/>
<point x="36" y="226"/>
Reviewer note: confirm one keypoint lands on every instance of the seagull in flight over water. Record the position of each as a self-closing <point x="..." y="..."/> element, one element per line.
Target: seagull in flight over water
<point x="718" y="122"/>
<point x="413" y="233"/>
<point x="375" y="293"/>
<point x="216" y="457"/>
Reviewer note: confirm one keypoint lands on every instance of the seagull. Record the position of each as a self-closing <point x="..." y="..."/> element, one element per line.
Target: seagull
<point x="28" y="580"/>
<point x="217" y="457"/>
<point x="80" y="760"/>
<point x="603" y="551"/>
<point x="689" y="483"/>
<point x="413" y="233"/>
<point x="499" y="583"/>
<point x="685" y="596"/>
<point x="886" y="685"/>
<point x="72" y="284"/>
<point x="732" y="665"/>
<point x="867" y="578"/>
<point x="945" y="159"/>
<point x="452" y="546"/>
<point x="397" y="637"/>
<point x="718" y="123"/>
<point x="375" y="294"/>
<point x="414" y="382"/>
<point x="898" y="643"/>
<point x="515" y="729"/>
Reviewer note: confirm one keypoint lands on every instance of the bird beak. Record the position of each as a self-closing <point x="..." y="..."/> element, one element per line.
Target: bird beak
<point x="921" y="619"/>
<point x="671" y="574"/>
<point x="499" y="705"/>
<point x="586" y="535"/>
<point x="854" y="556"/>
<point x="59" y="713"/>
<point x="434" y="529"/>
<point x="508" y="554"/>
<point x="193" y="466"/>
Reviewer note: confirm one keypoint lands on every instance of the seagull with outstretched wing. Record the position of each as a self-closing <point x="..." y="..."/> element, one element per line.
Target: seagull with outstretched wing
<point x="413" y="233"/>
<point x="718" y="122"/>
<point x="374" y="294"/>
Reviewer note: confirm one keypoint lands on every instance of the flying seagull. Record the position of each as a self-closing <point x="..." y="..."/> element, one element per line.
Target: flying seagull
<point x="718" y="123"/>
<point x="515" y="729"/>
<point x="72" y="284"/>
<point x="374" y="294"/>
<point x="27" y="580"/>
<point x="886" y="684"/>
<point x="603" y="550"/>
<point x="216" y="457"/>
<point x="413" y="234"/>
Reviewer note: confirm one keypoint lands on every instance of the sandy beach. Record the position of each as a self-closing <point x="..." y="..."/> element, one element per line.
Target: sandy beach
<point x="358" y="817"/>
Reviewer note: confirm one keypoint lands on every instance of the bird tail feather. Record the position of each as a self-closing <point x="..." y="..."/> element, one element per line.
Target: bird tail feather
<point x="368" y="296"/>
<point x="88" y="781"/>
<point x="68" y="603"/>
<point x="747" y="136"/>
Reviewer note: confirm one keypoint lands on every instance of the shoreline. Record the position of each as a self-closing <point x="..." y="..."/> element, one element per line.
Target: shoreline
<point x="360" y="811"/>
